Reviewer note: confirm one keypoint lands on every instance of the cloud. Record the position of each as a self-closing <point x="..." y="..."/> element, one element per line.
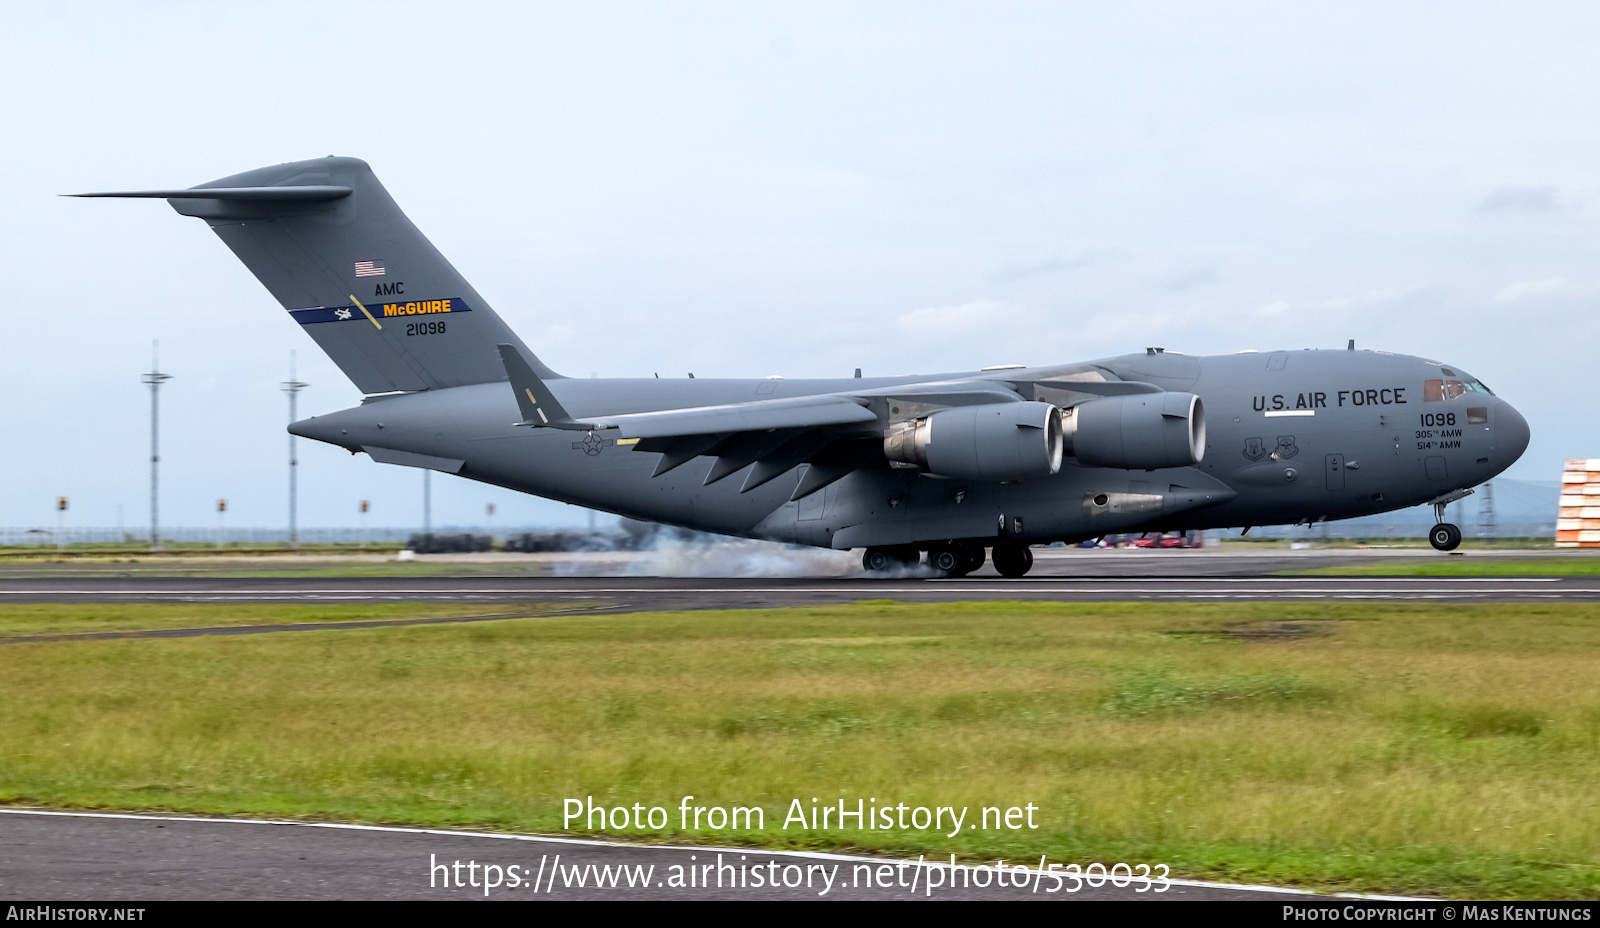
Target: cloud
<point x="1009" y="272"/>
<point x="1536" y="290"/>
<point x="1189" y="279"/>
<point x="1516" y="198"/>
<point x="943" y="320"/>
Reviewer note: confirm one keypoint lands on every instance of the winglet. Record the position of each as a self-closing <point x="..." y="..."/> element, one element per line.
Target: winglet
<point x="539" y="406"/>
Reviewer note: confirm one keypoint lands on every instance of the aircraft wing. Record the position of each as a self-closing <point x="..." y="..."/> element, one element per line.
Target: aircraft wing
<point x="540" y="408"/>
<point x="777" y="435"/>
<point x="800" y="412"/>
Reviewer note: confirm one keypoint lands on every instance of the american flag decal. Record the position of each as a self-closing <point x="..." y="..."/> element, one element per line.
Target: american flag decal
<point x="370" y="269"/>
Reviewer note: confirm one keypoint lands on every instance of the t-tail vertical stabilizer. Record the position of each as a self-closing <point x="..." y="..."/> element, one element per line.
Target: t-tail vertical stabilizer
<point x="329" y="242"/>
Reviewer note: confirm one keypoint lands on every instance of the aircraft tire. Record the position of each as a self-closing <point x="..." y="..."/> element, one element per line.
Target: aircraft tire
<point x="975" y="556"/>
<point x="887" y="559"/>
<point x="948" y="560"/>
<point x="878" y="561"/>
<point x="1445" y="537"/>
<point x="1012" y="560"/>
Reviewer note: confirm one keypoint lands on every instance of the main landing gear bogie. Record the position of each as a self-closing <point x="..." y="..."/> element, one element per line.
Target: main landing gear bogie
<point x="890" y="559"/>
<point x="946" y="559"/>
<point x="956" y="558"/>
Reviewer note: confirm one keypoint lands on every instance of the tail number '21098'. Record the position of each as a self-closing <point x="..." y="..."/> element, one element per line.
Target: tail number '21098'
<point x="425" y="328"/>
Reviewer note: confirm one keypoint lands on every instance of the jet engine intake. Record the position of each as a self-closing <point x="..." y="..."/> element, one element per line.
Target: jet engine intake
<point x="995" y="441"/>
<point x="1142" y="431"/>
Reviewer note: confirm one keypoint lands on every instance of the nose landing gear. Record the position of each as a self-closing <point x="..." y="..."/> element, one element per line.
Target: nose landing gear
<point x="1444" y="536"/>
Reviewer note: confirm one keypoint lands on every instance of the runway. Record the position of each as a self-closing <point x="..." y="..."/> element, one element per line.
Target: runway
<point x="635" y="594"/>
<point x="68" y="857"/>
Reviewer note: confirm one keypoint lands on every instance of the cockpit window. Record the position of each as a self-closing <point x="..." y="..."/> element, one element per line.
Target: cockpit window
<point x="1434" y="391"/>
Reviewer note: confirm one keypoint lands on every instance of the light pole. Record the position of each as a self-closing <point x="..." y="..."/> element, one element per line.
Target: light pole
<point x="292" y="387"/>
<point x="155" y="378"/>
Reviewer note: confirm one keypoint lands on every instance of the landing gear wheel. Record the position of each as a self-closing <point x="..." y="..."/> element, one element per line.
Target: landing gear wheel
<point x="1012" y="560"/>
<point x="947" y="560"/>
<point x="1445" y="537"/>
<point x="885" y="560"/>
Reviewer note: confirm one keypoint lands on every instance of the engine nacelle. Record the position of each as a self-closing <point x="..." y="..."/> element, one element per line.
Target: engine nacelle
<point x="996" y="441"/>
<point x="1142" y="431"/>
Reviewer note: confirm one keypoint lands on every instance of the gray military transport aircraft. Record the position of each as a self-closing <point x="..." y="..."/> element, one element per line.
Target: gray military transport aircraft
<point x="943" y="464"/>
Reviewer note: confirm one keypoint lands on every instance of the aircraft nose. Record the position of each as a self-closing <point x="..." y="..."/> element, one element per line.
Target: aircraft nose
<point x="1510" y="433"/>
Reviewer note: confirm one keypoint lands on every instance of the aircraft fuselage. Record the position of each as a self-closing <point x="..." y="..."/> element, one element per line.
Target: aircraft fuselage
<point x="1291" y="436"/>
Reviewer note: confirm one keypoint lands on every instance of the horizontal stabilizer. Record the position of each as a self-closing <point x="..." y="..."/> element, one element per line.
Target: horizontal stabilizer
<point x="301" y="194"/>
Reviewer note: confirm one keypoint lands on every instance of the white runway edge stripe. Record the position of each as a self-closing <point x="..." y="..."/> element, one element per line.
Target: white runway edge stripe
<point x="584" y="842"/>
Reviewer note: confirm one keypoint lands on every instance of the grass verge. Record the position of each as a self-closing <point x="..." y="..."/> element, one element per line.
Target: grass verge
<point x="88" y="618"/>
<point x="1420" y="749"/>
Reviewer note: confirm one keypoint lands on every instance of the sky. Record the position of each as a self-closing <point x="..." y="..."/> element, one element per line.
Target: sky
<point x="746" y="189"/>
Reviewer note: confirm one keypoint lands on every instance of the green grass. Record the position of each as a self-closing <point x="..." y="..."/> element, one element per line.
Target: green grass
<point x="59" y="619"/>
<point x="1414" y="749"/>
<point x="286" y="566"/>
<point x="189" y="549"/>
<point x="1467" y="567"/>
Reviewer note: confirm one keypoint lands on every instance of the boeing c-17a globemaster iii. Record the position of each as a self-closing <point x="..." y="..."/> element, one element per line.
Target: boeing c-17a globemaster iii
<point x="951" y="466"/>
